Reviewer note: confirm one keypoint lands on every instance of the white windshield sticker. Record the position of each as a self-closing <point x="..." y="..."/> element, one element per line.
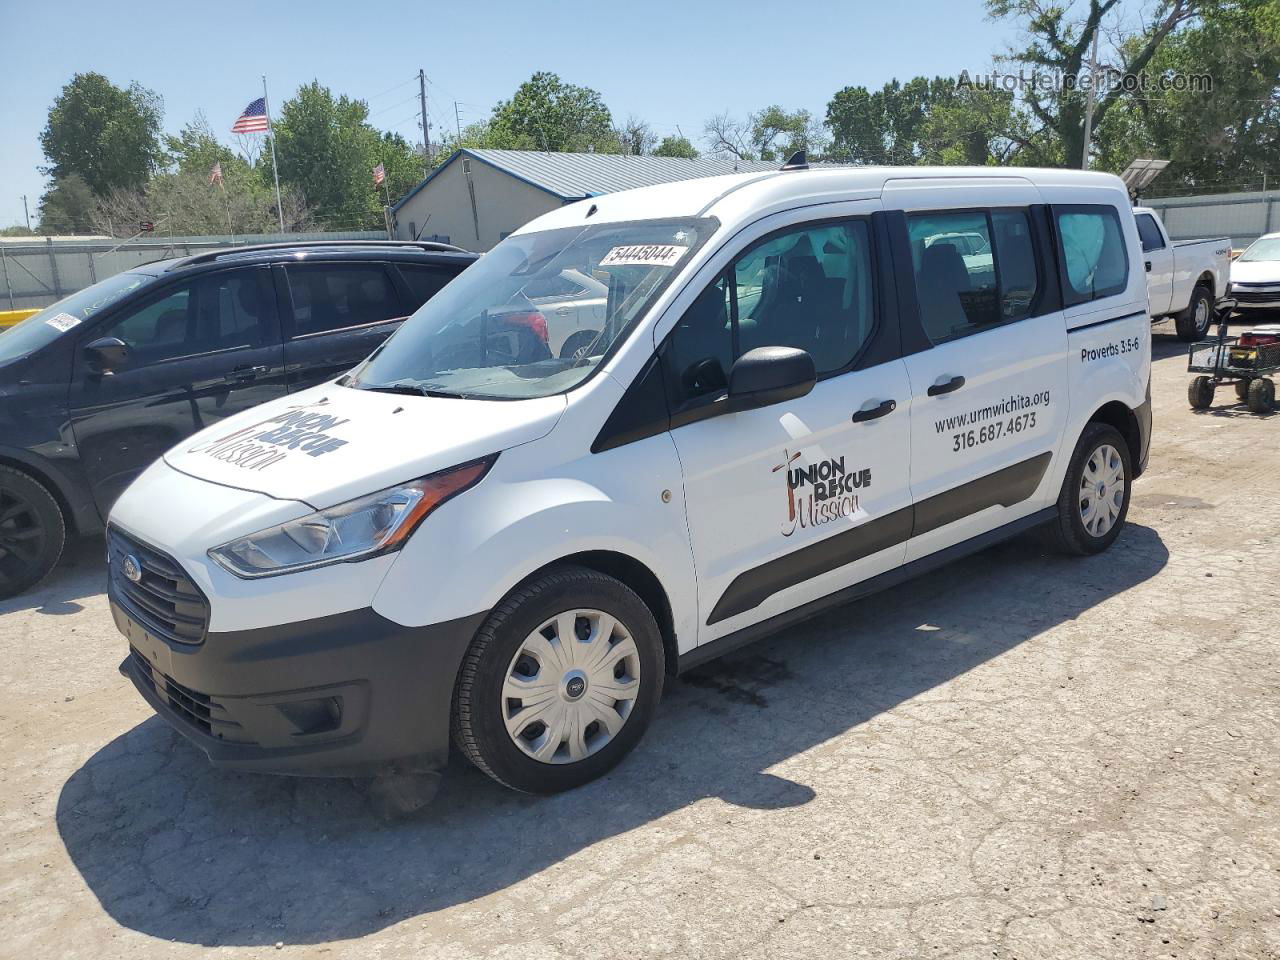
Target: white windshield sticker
<point x="644" y="255"/>
<point x="62" y="321"/>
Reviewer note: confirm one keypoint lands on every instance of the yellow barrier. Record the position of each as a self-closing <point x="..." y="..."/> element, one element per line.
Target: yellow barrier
<point x="9" y="317"/>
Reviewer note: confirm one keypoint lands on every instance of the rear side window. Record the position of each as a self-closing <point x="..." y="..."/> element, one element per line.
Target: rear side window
<point x="423" y="282"/>
<point x="332" y="296"/>
<point x="1149" y="232"/>
<point x="974" y="269"/>
<point x="1091" y="253"/>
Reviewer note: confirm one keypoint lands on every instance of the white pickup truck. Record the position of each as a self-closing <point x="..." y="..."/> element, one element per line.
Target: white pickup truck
<point x="1184" y="277"/>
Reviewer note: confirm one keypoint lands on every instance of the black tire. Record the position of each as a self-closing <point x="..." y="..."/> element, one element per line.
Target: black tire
<point x="1262" y="395"/>
<point x="1200" y="393"/>
<point x="579" y="341"/>
<point x="478" y="706"/>
<point x="1242" y="389"/>
<point x="1068" y="530"/>
<point x="32" y="532"/>
<point x="1185" y="322"/>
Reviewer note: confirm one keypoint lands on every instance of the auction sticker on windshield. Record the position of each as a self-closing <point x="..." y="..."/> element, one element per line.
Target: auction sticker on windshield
<point x="644" y="255"/>
<point x="62" y="322"/>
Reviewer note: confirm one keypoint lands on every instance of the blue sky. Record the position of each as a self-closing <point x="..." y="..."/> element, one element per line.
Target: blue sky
<point x="674" y="64"/>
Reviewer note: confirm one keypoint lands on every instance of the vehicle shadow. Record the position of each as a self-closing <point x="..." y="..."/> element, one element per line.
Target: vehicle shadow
<point x="177" y="850"/>
<point x="1166" y="344"/>
<point x="81" y="572"/>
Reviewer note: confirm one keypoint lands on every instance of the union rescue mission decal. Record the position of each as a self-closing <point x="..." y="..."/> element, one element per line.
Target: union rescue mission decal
<point x="267" y="442"/>
<point x="820" y="492"/>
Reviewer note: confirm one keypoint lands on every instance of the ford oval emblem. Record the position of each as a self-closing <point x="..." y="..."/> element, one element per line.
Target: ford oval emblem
<point x="131" y="569"/>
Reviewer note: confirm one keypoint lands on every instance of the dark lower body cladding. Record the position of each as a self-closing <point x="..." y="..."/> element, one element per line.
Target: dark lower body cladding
<point x="349" y="695"/>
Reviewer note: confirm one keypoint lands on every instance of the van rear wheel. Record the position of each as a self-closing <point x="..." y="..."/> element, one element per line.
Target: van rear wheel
<point x="32" y="532"/>
<point x="1095" y="494"/>
<point x="560" y="682"/>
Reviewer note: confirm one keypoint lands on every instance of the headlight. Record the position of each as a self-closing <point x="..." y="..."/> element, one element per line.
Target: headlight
<point x="377" y="523"/>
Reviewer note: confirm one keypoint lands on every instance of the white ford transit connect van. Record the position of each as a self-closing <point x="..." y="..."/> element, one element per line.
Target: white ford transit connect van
<point x="808" y="385"/>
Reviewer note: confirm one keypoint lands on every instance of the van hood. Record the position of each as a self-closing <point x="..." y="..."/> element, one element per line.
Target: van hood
<point x="1256" y="271"/>
<point x="330" y="444"/>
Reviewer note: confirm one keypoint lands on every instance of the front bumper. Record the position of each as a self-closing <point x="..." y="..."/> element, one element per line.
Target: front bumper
<point x="349" y="695"/>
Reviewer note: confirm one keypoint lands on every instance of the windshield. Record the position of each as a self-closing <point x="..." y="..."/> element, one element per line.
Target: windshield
<point x="53" y="321"/>
<point x="536" y="314"/>
<point x="1268" y="248"/>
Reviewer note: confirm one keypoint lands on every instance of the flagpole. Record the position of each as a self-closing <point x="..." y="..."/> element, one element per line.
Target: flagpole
<point x="227" y="201"/>
<point x="266" y="107"/>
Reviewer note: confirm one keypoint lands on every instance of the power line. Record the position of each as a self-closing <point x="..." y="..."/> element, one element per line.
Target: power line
<point x="393" y="89"/>
<point x="398" y="103"/>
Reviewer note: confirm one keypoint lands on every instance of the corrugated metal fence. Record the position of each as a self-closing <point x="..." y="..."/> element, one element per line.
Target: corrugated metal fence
<point x="1241" y="216"/>
<point x="40" y="272"/>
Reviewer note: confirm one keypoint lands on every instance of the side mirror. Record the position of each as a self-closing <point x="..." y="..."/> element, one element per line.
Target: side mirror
<point x="769" y="375"/>
<point x="107" y="354"/>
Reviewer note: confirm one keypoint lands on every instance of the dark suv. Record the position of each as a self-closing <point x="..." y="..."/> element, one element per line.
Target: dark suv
<point x="97" y="386"/>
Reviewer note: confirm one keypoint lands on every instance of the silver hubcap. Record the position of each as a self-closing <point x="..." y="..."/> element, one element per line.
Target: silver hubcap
<point x="1202" y="314"/>
<point x="1102" y="490"/>
<point x="571" y="686"/>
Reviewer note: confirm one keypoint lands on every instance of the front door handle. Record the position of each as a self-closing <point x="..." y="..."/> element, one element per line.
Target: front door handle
<point x="244" y="374"/>
<point x="885" y="408"/>
<point x="946" y="386"/>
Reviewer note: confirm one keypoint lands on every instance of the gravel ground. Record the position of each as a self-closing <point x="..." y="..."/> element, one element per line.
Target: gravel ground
<point x="1020" y="756"/>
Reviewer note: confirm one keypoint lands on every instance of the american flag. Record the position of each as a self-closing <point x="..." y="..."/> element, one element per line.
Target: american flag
<point x="215" y="175"/>
<point x="379" y="174"/>
<point x="254" y="118"/>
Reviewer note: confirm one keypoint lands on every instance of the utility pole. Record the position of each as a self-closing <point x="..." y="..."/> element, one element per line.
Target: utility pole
<point x="27" y="213"/>
<point x="1093" y="90"/>
<point x="426" y="127"/>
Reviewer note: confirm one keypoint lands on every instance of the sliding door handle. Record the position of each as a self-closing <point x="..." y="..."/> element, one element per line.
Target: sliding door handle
<point x="885" y="408"/>
<point x="946" y="386"/>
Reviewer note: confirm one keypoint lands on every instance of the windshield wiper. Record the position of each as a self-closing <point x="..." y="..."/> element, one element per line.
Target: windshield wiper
<point x="413" y="390"/>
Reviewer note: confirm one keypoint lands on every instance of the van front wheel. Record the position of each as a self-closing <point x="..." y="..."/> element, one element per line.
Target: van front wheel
<point x="1095" y="494"/>
<point x="560" y="682"/>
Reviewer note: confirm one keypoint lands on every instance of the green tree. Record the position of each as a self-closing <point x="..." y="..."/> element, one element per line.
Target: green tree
<point x="326" y="149"/>
<point x="769" y="134"/>
<point x="546" y="113"/>
<point x="1223" y="138"/>
<point x="197" y="147"/>
<point x="67" y="206"/>
<point x="402" y="162"/>
<point x="938" y="121"/>
<point x="106" y="135"/>
<point x="636" y="137"/>
<point x="1059" y="39"/>
<point x="676" y="147"/>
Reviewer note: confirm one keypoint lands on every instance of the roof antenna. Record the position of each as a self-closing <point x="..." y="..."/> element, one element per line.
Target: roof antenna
<point x="798" y="161"/>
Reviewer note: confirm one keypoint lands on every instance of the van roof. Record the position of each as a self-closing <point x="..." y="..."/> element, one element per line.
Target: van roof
<point x="734" y="196"/>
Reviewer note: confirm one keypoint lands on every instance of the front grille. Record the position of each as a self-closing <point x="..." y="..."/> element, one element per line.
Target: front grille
<point x="164" y="600"/>
<point x="1248" y="296"/>
<point x="199" y="710"/>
